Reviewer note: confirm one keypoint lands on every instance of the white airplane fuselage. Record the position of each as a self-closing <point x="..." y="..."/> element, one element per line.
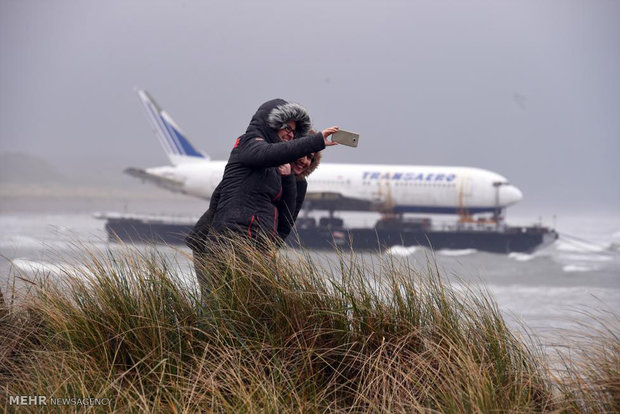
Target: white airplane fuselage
<point x="395" y="188"/>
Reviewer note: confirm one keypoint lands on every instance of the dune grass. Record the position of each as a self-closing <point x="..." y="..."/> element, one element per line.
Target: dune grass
<point x="588" y="373"/>
<point x="280" y="334"/>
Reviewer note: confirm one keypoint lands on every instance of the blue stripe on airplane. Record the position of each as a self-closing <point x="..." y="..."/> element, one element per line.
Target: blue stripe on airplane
<point x="162" y="127"/>
<point x="170" y="135"/>
<point x="441" y="210"/>
<point x="188" y="149"/>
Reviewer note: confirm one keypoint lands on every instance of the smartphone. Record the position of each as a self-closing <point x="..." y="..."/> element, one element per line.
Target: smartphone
<point x="346" y="138"/>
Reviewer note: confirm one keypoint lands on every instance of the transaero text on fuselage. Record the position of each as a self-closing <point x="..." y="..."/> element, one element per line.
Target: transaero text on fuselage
<point x="410" y="176"/>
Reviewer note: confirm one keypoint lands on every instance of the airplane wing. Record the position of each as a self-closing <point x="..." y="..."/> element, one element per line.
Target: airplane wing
<point x="165" y="182"/>
<point x="336" y="201"/>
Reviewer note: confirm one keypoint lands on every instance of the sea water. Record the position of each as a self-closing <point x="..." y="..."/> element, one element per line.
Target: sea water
<point x="550" y="290"/>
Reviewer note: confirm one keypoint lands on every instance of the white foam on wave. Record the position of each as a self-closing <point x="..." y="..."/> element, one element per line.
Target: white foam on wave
<point x="598" y="258"/>
<point x="579" y="247"/>
<point x="31" y="266"/>
<point x="185" y="274"/>
<point x="37" y="267"/>
<point x="44" y="242"/>
<point x="461" y="252"/>
<point x="571" y="268"/>
<point x="521" y="257"/>
<point x="401" y="250"/>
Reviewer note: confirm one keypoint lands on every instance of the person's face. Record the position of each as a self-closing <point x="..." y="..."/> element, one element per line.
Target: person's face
<point x="302" y="164"/>
<point x="288" y="132"/>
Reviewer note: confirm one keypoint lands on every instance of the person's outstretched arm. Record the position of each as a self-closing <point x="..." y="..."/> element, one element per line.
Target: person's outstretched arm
<point x="256" y="153"/>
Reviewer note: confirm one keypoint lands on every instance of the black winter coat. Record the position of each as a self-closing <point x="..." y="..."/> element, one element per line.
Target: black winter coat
<point x="252" y="186"/>
<point x="289" y="206"/>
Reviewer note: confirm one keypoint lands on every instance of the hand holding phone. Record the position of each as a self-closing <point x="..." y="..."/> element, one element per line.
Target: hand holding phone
<point x="346" y="138"/>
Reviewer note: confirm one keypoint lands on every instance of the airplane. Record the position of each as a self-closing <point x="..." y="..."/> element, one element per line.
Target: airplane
<point x="388" y="189"/>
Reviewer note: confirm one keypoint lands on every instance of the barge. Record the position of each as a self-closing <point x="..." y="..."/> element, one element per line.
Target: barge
<point x="331" y="232"/>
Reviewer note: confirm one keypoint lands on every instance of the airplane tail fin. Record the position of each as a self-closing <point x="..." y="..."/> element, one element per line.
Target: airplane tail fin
<point x="177" y="147"/>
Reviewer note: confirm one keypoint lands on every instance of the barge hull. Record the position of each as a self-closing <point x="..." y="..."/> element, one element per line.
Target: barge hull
<point x="522" y="240"/>
<point x="509" y="239"/>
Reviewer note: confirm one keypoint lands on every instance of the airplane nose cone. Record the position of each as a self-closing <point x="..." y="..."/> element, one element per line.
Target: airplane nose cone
<point x="509" y="194"/>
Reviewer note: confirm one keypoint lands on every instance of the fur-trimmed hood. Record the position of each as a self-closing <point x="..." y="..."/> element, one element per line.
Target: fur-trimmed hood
<point x="290" y="111"/>
<point x="273" y="115"/>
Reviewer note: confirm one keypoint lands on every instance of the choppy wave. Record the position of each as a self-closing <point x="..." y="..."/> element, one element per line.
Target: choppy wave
<point x="580" y="247"/>
<point x="31" y="266"/>
<point x="46" y="243"/>
<point x="578" y="268"/>
<point x="598" y="258"/>
<point x="521" y="257"/>
<point x="460" y="252"/>
<point x="59" y="270"/>
<point x="21" y="241"/>
<point x="547" y="301"/>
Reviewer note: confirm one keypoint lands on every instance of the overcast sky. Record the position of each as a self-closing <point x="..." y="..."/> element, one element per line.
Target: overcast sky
<point x="528" y="89"/>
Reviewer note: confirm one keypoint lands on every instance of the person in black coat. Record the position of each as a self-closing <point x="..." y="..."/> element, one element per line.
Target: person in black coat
<point x="288" y="207"/>
<point x="251" y="188"/>
<point x="251" y="185"/>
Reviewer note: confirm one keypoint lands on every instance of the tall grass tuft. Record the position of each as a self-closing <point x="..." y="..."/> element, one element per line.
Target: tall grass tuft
<point x="272" y="333"/>
<point x="588" y="376"/>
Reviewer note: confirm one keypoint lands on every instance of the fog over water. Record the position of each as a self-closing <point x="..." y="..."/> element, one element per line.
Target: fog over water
<point x="527" y="89"/>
